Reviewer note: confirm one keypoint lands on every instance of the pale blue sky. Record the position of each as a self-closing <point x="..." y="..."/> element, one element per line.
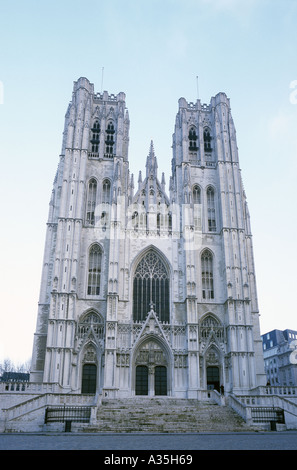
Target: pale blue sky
<point x="152" y="50"/>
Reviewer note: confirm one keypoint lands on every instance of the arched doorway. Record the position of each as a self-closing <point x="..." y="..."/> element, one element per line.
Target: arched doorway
<point x="213" y="378"/>
<point x="89" y="378"/>
<point x="151" y="369"/>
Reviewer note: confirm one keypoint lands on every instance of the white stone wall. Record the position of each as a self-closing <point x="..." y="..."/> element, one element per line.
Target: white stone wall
<point x="57" y="354"/>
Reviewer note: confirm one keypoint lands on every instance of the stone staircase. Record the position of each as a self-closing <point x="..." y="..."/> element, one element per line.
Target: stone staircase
<point x="165" y="415"/>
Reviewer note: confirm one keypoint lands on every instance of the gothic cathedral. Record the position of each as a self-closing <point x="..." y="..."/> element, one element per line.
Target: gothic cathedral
<point x="144" y="292"/>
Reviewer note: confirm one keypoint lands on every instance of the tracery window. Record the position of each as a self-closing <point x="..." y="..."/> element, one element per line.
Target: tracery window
<point x="151" y="286"/>
<point x="192" y="139"/>
<point x="211" y="213"/>
<point x="207" y="275"/>
<point x="211" y="325"/>
<point x="196" y="194"/>
<point x="94" y="274"/>
<point x="91" y="322"/>
<point x="106" y="192"/>
<point x="91" y="202"/>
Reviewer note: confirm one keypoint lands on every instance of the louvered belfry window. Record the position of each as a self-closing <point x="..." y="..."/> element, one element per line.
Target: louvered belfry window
<point x="151" y="288"/>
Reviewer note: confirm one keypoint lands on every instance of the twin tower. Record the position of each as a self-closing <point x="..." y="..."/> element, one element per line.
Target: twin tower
<point x="145" y="292"/>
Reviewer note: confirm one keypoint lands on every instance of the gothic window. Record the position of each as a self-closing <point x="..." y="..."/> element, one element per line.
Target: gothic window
<point x="207" y="140"/>
<point x="211" y="325"/>
<point x="91" y="202"/>
<point x="207" y="275"/>
<point x="95" y="136"/>
<point x="197" y="206"/>
<point x="196" y="194"/>
<point x="211" y="213"/>
<point x="106" y="192"/>
<point x="192" y="139"/>
<point x="109" y="142"/>
<point x="151" y="286"/>
<point x="94" y="274"/>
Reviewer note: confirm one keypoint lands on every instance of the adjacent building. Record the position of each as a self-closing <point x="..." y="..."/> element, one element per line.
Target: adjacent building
<point x="280" y="356"/>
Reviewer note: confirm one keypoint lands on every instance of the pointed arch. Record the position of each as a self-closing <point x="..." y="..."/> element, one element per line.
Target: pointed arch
<point x="153" y="359"/>
<point x="151" y="285"/>
<point x="158" y="252"/>
<point x="91" y="323"/>
<point x="106" y="191"/>
<point x="211" y="328"/>
<point x="211" y="338"/>
<point x="89" y="369"/>
<point x="196" y="190"/>
<point x="159" y="341"/>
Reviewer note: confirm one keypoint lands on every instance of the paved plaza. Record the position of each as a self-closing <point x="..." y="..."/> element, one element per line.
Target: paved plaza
<point x="286" y="440"/>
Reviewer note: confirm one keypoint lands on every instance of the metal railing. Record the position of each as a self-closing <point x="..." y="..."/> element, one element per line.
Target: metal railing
<point x="268" y="415"/>
<point x="61" y="414"/>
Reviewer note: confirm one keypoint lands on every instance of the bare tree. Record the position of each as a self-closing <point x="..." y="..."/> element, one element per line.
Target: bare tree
<point x="8" y="366"/>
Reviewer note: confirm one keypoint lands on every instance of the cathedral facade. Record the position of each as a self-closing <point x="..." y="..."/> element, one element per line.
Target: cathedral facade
<point x="144" y="292"/>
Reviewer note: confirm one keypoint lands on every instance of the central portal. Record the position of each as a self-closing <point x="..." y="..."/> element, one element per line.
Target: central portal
<point x="151" y="377"/>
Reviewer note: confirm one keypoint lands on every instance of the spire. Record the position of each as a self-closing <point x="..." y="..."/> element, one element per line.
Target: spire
<point x="151" y="162"/>
<point x="163" y="182"/>
<point x="132" y="181"/>
<point x="139" y="179"/>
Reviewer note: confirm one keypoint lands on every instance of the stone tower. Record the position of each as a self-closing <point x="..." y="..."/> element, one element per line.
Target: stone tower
<point x="145" y="293"/>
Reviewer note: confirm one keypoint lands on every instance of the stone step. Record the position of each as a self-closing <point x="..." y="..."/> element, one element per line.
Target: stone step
<point x="165" y="415"/>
